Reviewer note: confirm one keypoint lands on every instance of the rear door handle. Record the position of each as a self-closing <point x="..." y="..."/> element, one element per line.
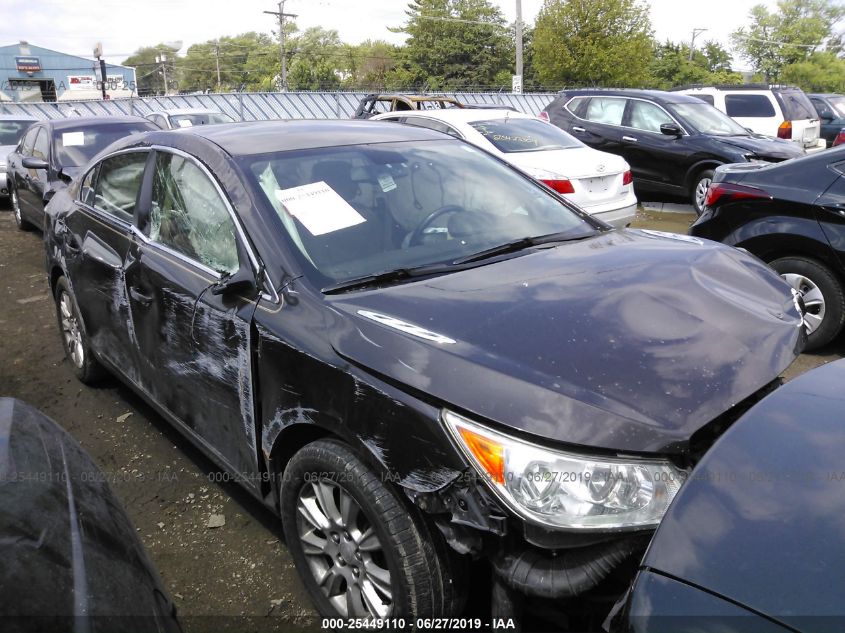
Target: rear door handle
<point x="140" y="297"/>
<point x="630" y="139"/>
<point x="575" y="128"/>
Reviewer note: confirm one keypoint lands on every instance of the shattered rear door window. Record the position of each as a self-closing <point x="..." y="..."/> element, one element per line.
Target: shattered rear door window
<point x="189" y="216"/>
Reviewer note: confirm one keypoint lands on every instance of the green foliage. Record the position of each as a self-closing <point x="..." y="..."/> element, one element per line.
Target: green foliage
<point x="790" y="35"/>
<point x="821" y="72"/>
<point x="671" y="66"/>
<point x="249" y="60"/>
<point x="593" y="42"/>
<point x="148" y="72"/>
<point x="318" y="58"/>
<point x="453" y="44"/>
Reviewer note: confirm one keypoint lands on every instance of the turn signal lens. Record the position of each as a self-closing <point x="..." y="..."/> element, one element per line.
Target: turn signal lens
<point x="490" y="455"/>
<point x="561" y="186"/>
<point x="785" y="130"/>
<point x="840" y="138"/>
<point x="627" y="178"/>
<point x="544" y="116"/>
<point x="725" y="192"/>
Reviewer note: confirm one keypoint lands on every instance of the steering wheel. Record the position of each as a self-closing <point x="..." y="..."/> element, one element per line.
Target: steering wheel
<point x="417" y="234"/>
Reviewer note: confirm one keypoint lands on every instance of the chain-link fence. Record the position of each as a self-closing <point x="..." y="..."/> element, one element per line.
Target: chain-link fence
<point x="256" y="106"/>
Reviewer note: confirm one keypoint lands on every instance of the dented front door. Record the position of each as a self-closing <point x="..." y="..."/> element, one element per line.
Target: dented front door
<point x="195" y="346"/>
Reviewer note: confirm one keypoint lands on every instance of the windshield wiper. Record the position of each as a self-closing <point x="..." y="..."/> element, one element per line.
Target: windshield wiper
<point x="387" y="276"/>
<point x="519" y="245"/>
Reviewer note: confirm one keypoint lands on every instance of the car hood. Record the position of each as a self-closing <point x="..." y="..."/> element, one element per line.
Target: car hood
<point x="760" y="520"/>
<point x="763" y="146"/>
<point x="5" y="150"/>
<point x="630" y="340"/>
<point x="577" y="162"/>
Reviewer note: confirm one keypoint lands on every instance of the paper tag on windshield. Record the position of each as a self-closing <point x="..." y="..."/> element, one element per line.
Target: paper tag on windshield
<point x="319" y="207"/>
<point x="70" y="139"/>
<point x="387" y="183"/>
<point x="184" y="123"/>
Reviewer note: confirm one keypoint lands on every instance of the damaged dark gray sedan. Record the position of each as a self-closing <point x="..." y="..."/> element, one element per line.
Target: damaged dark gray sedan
<point x="424" y="361"/>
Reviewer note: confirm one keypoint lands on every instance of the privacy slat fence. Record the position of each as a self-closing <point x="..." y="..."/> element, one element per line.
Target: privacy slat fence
<point x="256" y="106"/>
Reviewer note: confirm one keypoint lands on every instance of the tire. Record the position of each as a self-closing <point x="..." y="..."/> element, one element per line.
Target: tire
<point x="74" y="337"/>
<point x="417" y="574"/>
<point x="823" y="297"/>
<point x="699" y="190"/>
<point x="22" y="224"/>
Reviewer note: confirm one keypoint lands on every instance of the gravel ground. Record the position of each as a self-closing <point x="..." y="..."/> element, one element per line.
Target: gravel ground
<point x="238" y="576"/>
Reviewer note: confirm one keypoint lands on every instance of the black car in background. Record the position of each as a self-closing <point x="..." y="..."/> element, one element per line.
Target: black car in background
<point x="72" y="560"/>
<point x="52" y="152"/>
<point x="793" y="217"/>
<point x="12" y="128"/>
<point x="412" y="352"/>
<point x="672" y="142"/>
<point x="831" y="111"/>
<point x="753" y="543"/>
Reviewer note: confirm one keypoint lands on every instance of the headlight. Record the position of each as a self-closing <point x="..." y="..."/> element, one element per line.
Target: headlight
<point x="567" y="490"/>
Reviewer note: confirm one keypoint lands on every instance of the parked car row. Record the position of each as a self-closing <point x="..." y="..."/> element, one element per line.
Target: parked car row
<point x="424" y="358"/>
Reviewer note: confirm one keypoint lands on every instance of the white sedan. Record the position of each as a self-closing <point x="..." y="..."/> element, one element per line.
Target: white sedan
<point x="598" y="182"/>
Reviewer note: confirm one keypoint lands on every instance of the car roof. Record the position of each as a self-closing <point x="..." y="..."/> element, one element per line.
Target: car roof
<point x="399" y="95"/>
<point x="93" y="121"/>
<point x="170" y="111"/>
<point x="660" y="96"/>
<point x="459" y="115"/>
<point x="261" y="137"/>
<point x="736" y="87"/>
<point x="17" y="117"/>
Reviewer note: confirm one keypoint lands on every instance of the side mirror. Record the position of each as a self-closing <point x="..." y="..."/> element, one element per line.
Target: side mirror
<point x="241" y="282"/>
<point x="30" y="162"/>
<point x="670" y="129"/>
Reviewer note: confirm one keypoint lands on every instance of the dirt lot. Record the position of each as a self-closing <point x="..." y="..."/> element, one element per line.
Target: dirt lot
<point x="238" y="576"/>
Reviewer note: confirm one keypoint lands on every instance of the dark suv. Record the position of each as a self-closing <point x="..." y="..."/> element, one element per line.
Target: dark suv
<point x="673" y="142"/>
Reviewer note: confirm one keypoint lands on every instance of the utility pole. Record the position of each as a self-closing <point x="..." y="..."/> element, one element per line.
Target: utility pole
<point x="519" y="37"/>
<point x="162" y="59"/>
<point x="695" y="33"/>
<point x="217" y="59"/>
<point x="282" y="16"/>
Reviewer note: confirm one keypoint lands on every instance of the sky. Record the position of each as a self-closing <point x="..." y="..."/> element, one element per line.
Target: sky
<point x="124" y="26"/>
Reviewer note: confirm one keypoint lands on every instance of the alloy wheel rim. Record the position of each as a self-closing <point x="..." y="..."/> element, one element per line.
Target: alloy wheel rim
<point x="701" y="191"/>
<point x="344" y="553"/>
<point x="70" y="331"/>
<point x="814" y="303"/>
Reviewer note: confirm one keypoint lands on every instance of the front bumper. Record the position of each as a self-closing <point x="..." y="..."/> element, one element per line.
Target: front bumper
<point x="4" y="187"/>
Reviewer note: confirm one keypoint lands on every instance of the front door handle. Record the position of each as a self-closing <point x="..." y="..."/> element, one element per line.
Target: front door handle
<point x="630" y="139"/>
<point x="140" y="297"/>
<point x="575" y="128"/>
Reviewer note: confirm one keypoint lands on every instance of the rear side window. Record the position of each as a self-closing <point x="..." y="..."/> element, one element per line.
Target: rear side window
<point x="749" y="105"/>
<point x="437" y="126"/>
<point x="118" y="184"/>
<point x="706" y="99"/>
<point x="795" y="105"/>
<point x="605" y="110"/>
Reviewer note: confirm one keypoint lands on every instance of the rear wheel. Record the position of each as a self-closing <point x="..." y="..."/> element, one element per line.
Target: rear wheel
<point x="359" y="550"/>
<point x="22" y="224"/>
<point x="699" y="190"/>
<point x="824" y="302"/>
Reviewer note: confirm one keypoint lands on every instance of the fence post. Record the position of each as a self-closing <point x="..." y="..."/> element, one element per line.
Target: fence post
<point x="241" y="105"/>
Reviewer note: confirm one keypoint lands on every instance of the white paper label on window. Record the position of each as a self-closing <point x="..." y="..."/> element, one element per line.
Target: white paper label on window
<point x="319" y="207"/>
<point x="387" y="183"/>
<point x="184" y="123"/>
<point x="70" y="139"/>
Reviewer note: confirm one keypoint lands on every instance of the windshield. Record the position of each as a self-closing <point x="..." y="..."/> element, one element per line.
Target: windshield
<point x="205" y="118"/>
<point x="524" y="135"/>
<point x="838" y="105"/>
<point x="11" y="131"/>
<point x="360" y="210"/>
<point x="708" y="120"/>
<point x="73" y="147"/>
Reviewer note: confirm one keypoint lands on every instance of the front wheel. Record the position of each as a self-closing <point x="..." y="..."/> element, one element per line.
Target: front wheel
<point x="699" y="190"/>
<point x="824" y="303"/>
<point x="22" y="224"/>
<point x="358" y="549"/>
<point x="74" y="337"/>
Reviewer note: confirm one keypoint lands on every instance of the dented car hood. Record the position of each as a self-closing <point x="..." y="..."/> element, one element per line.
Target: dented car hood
<point x="628" y="341"/>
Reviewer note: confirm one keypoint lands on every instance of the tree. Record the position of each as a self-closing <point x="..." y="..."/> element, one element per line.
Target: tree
<point x="593" y="42"/>
<point x="453" y="44"/>
<point x="822" y="71"/>
<point x="249" y="60"/>
<point x="149" y="72"/>
<point x="317" y="58"/>
<point x="789" y="35"/>
<point x="369" y="65"/>
<point x="672" y="66"/>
